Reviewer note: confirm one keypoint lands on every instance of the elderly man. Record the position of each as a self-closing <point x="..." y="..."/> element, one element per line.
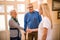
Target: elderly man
<point x="31" y="22"/>
<point x="13" y="22"/>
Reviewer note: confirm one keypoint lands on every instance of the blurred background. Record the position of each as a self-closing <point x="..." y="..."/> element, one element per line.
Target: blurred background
<point x="21" y="7"/>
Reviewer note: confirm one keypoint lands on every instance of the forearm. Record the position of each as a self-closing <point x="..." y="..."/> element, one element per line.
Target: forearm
<point x="35" y="30"/>
<point x="44" y="36"/>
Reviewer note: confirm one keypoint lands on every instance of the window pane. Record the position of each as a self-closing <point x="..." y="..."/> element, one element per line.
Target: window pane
<point x="9" y="8"/>
<point x="8" y="18"/>
<point x="10" y="0"/>
<point x="1" y="8"/>
<point x="2" y="23"/>
<point x="21" y="7"/>
<point x="21" y="19"/>
<point x="21" y="0"/>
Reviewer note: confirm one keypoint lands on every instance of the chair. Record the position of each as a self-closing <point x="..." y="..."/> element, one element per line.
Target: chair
<point x="14" y="34"/>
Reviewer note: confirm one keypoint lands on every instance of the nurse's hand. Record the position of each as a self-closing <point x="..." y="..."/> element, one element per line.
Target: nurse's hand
<point x="34" y="30"/>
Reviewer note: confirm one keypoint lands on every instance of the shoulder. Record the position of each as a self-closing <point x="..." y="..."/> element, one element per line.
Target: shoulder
<point x="36" y="11"/>
<point x="46" y="19"/>
<point x="11" y="20"/>
<point x="47" y="22"/>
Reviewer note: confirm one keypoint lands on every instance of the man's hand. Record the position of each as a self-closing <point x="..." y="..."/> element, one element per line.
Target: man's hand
<point x="29" y="30"/>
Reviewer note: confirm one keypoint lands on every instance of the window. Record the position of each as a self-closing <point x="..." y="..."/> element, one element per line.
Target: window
<point x="8" y="5"/>
<point x="2" y="23"/>
<point x="21" y="7"/>
<point x="1" y="8"/>
<point x="21" y="19"/>
<point x="9" y="8"/>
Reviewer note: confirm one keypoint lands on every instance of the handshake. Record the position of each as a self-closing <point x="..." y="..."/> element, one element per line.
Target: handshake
<point x="31" y="30"/>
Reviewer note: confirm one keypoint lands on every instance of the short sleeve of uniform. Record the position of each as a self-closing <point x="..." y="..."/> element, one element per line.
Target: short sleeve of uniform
<point x="46" y="23"/>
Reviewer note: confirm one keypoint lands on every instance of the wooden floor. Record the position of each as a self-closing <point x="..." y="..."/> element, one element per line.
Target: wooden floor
<point x="55" y="33"/>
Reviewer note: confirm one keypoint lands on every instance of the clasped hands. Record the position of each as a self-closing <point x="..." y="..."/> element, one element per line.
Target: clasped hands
<point x="30" y="30"/>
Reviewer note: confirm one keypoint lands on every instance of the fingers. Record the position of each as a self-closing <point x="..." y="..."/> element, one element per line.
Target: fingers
<point x="29" y="30"/>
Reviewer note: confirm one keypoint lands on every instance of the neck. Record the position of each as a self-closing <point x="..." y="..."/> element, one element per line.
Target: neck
<point x="13" y="17"/>
<point x="32" y="11"/>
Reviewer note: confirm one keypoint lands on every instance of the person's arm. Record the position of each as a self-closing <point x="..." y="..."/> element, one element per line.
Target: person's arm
<point x="14" y="24"/>
<point x="25" y="23"/>
<point x="35" y="30"/>
<point x="44" y="34"/>
<point x="46" y="27"/>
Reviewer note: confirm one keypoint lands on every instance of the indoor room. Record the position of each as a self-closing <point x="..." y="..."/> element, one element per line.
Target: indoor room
<point x="21" y="7"/>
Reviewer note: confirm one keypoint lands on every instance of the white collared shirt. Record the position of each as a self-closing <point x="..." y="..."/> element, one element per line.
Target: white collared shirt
<point x="45" y="23"/>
